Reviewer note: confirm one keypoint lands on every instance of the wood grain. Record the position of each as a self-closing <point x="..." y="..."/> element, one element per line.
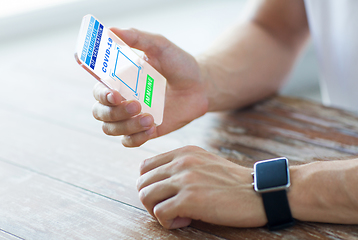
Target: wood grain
<point x="100" y="165"/>
<point x="34" y="206"/>
<point x="47" y="131"/>
<point x="62" y="178"/>
<point x="272" y="129"/>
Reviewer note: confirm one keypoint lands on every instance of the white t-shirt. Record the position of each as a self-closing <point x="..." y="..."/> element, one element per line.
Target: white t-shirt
<point x="334" y="30"/>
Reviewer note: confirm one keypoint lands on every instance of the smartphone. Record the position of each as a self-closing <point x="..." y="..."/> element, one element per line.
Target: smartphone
<point x="112" y="62"/>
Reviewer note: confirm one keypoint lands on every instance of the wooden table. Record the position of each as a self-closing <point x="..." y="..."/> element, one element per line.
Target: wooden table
<point x="62" y="178"/>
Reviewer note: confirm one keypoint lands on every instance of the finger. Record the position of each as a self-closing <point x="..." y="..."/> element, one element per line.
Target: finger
<point x="180" y="222"/>
<point x="164" y="158"/>
<point x="139" y="138"/>
<point x="106" y="96"/>
<point x="123" y="111"/>
<point x="170" y="215"/>
<point x="151" y="44"/>
<point x="130" y="126"/>
<point x="156" y="193"/>
<point x="155" y="162"/>
<point x="156" y="175"/>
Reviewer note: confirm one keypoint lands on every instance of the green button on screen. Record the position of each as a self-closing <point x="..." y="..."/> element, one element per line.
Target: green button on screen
<point x="149" y="91"/>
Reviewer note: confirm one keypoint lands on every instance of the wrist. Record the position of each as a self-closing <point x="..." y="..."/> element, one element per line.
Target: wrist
<point x="249" y="203"/>
<point x="272" y="181"/>
<point x="210" y="89"/>
<point x="294" y="198"/>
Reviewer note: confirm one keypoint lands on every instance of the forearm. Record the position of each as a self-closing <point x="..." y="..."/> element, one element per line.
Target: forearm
<point x="325" y="192"/>
<point x="245" y="65"/>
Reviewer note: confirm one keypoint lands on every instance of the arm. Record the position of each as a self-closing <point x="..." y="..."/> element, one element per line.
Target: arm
<point x="325" y="192"/>
<point x="190" y="183"/>
<point x="252" y="59"/>
<point x="244" y="65"/>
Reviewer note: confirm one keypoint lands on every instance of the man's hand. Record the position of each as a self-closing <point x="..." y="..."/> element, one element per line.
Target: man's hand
<point x="185" y="94"/>
<point x="191" y="183"/>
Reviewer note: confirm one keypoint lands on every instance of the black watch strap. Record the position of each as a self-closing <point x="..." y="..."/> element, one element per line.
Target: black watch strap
<point x="277" y="209"/>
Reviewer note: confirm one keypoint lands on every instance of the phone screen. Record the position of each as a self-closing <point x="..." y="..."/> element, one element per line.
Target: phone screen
<point x="112" y="62"/>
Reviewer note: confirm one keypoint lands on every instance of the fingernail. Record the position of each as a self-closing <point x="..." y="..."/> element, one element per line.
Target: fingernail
<point x="146" y="121"/>
<point x="150" y="131"/>
<point x="145" y="57"/>
<point x="132" y="108"/>
<point x="110" y="98"/>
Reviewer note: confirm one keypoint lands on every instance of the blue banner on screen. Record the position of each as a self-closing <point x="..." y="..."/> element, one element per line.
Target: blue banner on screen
<point x="92" y="42"/>
<point x="96" y="46"/>
<point x="87" y="39"/>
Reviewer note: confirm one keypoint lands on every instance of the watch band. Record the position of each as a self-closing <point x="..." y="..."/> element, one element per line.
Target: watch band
<point x="277" y="209"/>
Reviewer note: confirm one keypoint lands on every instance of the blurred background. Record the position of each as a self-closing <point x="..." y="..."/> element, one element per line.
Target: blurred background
<point x="38" y="37"/>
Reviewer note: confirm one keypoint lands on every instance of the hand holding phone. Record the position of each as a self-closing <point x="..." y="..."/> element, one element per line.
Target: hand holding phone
<point x="118" y="67"/>
<point x="185" y="89"/>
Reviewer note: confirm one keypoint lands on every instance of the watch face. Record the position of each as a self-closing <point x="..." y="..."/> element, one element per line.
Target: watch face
<point x="271" y="175"/>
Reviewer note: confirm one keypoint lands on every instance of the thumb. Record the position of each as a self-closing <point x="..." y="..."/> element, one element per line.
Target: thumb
<point x="152" y="44"/>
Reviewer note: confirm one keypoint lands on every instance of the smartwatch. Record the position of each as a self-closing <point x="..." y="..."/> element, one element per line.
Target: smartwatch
<point x="271" y="180"/>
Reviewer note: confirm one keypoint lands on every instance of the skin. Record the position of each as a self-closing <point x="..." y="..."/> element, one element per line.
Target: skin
<point x="247" y="63"/>
<point x="225" y="77"/>
<point x="185" y="87"/>
<point x="191" y="183"/>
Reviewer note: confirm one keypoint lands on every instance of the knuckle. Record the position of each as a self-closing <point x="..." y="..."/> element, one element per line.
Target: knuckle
<point x="139" y="184"/>
<point x="132" y="29"/>
<point x="100" y="94"/>
<point x="191" y="148"/>
<point x="134" y="32"/>
<point x="127" y="141"/>
<point x="159" y="212"/>
<point x="188" y="178"/>
<point x="160" y="39"/>
<point x="162" y="43"/>
<point x="103" y="113"/>
<point x="143" y="196"/>
<point x="142" y="165"/>
<point x="189" y="196"/>
<point x="186" y="162"/>
<point x="117" y="129"/>
<point x="95" y="111"/>
<point x="135" y="140"/>
<point x="108" y="129"/>
<point x="182" y="205"/>
<point x="105" y="129"/>
<point x="96" y="90"/>
<point x="112" y="114"/>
